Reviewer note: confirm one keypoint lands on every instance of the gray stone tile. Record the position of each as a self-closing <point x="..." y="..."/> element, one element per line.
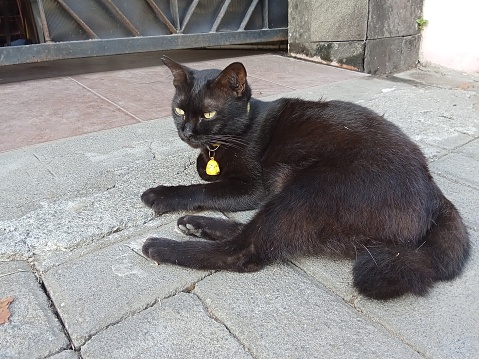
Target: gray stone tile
<point x="445" y="324"/>
<point x="86" y="188"/>
<point x="279" y="313"/>
<point x="177" y="327"/>
<point x="465" y="198"/>
<point x="86" y="165"/>
<point x="431" y="75"/>
<point x="432" y="153"/>
<point x="103" y="287"/>
<point x="67" y="354"/>
<point x="335" y="274"/>
<point x="32" y="331"/>
<point x="470" y="149"/>
<point x="459" y="168"/>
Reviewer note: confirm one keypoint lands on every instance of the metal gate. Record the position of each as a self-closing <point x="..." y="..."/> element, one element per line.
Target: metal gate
<point x="73" y="28"/>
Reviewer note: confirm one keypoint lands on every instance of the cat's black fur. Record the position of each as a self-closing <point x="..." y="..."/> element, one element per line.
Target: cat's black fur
<point x="329" y="178"/>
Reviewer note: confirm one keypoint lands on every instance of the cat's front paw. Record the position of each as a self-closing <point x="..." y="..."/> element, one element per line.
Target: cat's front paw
<point x="160" y="250"/>
<point x="158" y="199"/>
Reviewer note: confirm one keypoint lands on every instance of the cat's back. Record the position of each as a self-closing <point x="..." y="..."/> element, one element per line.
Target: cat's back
<point x="338" y="129"/>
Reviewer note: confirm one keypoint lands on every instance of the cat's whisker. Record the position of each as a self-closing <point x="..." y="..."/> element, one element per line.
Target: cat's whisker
<point x="423" y="243"/>
<point x="229" y="141"/>
<point x="366" y="248"/>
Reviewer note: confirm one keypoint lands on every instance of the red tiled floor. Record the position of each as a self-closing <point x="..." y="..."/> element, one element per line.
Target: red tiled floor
<point x="44" y="110"/>
<point x="146" y="93"/>
<point x="100" y="93"/>
<point x="289" y="72"/>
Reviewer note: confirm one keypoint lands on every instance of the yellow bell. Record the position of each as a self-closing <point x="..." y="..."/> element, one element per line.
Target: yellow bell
<point x="212" y="167"/>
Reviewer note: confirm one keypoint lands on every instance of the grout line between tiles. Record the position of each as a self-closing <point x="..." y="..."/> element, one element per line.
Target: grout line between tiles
<point x="107" y="100"/>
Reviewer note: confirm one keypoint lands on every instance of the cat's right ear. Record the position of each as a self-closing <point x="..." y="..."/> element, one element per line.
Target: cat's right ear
<point x="179" y="72"/>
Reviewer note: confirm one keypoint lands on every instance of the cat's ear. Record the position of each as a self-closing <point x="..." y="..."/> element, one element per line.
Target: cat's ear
<point x="179" y="72"/>
<point x="233" y="77"/>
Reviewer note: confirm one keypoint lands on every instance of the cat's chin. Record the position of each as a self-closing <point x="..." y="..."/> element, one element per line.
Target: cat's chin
<point x="195" y="144"/>
<point x="192" y="143"/>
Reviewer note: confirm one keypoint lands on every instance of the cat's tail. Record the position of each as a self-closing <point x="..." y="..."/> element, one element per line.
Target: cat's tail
<point x="384" y="273"/>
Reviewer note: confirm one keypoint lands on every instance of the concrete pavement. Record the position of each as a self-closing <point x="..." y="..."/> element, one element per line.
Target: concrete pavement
<point x="82" y="139"/>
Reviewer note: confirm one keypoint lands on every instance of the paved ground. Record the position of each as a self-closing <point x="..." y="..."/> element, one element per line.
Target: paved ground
<point x="80" y="140"/>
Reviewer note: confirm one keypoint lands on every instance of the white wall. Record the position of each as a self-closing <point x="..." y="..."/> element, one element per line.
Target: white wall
<point x="451" y="38"/>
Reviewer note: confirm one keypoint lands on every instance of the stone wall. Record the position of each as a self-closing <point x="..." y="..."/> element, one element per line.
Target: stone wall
<point x="374" y="36"/>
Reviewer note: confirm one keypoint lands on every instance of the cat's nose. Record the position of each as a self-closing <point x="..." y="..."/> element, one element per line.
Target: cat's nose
<point x="187" y="130"/>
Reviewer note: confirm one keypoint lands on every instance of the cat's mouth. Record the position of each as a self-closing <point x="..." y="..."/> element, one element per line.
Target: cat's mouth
<point x="199" y="141"/>
<point x="193" y="142"/>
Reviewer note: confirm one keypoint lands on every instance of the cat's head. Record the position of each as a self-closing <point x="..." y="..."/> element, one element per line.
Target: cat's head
<point x="209" y="106"/>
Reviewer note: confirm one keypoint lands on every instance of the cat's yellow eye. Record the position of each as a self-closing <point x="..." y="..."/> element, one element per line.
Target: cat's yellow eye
<point x="209" y="115"/>
<point x="179" y="111"/>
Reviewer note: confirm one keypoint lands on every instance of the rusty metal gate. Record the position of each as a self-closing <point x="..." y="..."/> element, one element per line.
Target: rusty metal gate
<point x="73" y="28"/>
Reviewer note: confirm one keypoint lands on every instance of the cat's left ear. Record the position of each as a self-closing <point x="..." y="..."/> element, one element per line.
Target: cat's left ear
<point x="234" y="78"/>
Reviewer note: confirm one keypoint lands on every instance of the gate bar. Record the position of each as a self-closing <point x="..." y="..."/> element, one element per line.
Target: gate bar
<point x="43" y="20"/>
<point x="80" y="22"/>
<point x="248" y="15"/>
<point x="265" y="14"/>
<point x="190" y="11"/>
<point x="161" y="16"/>
<point x="220" y="15"/>
<point x="175" y="14"/>
<point x="121" y="17"/>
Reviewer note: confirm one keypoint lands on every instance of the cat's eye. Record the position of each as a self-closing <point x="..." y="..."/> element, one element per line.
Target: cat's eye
<point x="209" y="115"/>
<point x="179" y="111"/>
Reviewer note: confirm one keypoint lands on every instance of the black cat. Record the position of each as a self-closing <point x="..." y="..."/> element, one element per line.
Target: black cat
<point x="329" y="178"/>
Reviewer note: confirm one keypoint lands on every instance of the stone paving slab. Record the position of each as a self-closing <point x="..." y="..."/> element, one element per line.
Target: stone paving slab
<point x="177" y="327"/>
<point x="89" y="185"/>
<point x="86" y="165"/>
<point x="103" y="287"/>
<point x="459" y="167"/>
<point x="335" y="274"/>
<point x="464" y="197"/>
<point x="67" y="354"/>
<point x="470" y="149"/>
<point x="32" y="331"/>
<point x="441" y="77"/>
<point x="279" y="313"/>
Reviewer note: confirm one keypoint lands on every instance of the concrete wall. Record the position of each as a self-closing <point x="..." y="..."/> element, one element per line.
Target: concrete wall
<point x="451" y="37"/>
<point x="374" y="36"/>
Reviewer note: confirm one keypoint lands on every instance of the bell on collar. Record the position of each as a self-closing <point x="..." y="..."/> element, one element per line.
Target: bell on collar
<point x="212" y="167"/>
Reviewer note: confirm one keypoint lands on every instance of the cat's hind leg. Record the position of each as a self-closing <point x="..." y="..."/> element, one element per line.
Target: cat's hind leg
<point x="212" y="228"/>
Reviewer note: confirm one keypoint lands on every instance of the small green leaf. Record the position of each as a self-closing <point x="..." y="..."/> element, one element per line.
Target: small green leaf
<point x="421" y="23"/>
